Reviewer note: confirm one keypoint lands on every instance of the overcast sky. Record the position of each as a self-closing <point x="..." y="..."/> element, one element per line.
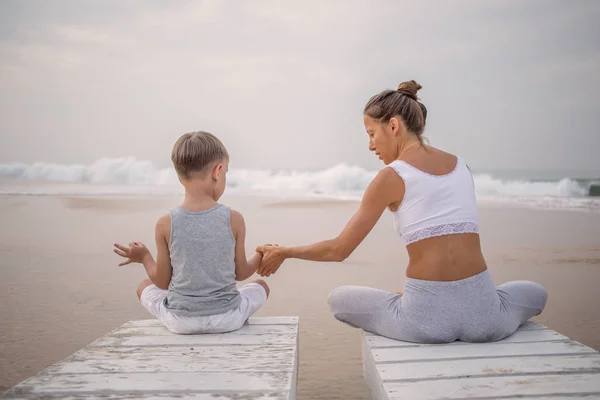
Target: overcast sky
<point x="283" y="83"/>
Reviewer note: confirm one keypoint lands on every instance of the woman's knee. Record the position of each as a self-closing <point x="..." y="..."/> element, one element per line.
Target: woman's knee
<point x="535" y="295"/>
<point x="143" y="285"/>
<point x="264" y="285"/>
<point x="540" y="295"/>
<point x="338" y="299"/>
<point x="526" y="294"/>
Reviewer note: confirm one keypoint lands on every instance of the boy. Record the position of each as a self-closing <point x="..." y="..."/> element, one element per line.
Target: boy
<point x="200" y="249"/>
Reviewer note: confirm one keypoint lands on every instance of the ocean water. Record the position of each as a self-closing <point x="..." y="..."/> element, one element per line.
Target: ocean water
<point x="130" y="177"/>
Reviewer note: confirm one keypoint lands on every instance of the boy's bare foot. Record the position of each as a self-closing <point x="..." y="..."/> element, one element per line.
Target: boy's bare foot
<point x="400" y="292"/>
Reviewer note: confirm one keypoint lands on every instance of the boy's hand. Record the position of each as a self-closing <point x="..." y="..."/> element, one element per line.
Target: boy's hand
<point x="271" y="261"/>
<point x="136" y="252"/>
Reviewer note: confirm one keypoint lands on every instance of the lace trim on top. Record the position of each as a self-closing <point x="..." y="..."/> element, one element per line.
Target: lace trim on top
<point x="441" y="230"/>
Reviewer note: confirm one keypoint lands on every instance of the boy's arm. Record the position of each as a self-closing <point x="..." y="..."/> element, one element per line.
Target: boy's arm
<point x="160" y="271"/>
<point x="163" y="270"/>
<point x="244" y="268"/>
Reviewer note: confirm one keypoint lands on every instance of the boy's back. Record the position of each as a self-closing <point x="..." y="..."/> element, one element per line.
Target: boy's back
<point x="200" y="249"/>
<point x="202" y="252"/>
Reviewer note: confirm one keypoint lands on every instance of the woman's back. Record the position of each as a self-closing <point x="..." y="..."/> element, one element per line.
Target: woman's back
<point x="449" y="294"/>
<point x="437" y="217"/>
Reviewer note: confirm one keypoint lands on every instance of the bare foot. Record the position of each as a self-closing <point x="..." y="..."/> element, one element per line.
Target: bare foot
<point x="400" y="292"/>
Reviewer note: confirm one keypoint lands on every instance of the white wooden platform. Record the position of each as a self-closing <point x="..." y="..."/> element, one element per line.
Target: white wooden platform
<point x="533" y="363"/>
<point x="143" y="360"/>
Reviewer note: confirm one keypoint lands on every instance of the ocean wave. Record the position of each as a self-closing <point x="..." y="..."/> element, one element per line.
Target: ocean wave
<point x="106" y="170"/>
<point x="341" y="180"/>
<point x="487" y="185"/>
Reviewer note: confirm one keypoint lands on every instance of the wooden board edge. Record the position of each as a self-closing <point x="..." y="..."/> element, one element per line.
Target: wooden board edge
<point x="370" y="374"/>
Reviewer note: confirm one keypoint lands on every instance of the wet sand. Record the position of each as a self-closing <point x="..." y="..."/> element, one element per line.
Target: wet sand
<point x="61" y="287"/>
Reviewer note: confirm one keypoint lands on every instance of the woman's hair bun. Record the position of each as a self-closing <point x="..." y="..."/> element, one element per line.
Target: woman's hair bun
<point x="409" y="88"/>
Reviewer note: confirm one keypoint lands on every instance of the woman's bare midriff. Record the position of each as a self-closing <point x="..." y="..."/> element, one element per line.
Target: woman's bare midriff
<point x="446" y="258"/>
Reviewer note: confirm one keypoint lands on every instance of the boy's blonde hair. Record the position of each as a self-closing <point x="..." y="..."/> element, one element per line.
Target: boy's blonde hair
<point x="194" y="151"/>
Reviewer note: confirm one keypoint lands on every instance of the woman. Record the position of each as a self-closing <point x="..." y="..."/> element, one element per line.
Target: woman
<point x="448" y="294"/>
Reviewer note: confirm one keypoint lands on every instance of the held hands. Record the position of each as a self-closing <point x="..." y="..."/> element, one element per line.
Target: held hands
<point x="272" y="259"/>
<point x="136" y="252"/>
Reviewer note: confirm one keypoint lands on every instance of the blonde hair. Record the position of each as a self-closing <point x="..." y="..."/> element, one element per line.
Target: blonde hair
<point x="194" y="151"/>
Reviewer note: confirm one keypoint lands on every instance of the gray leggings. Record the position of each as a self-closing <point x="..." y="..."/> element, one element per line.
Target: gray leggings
<point x="470" y="310"/>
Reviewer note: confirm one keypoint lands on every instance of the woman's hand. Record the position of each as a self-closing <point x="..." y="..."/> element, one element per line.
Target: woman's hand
<point x="272" y="259"/>
<point x="385" y="189"/>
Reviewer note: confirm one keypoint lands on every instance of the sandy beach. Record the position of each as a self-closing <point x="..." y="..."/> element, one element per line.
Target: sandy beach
<point x="61" y="287"/>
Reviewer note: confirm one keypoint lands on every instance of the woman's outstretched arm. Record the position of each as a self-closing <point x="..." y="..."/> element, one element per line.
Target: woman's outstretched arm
<point x="385" y="189"/>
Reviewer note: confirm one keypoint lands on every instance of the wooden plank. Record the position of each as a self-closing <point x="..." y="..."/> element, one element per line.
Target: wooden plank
<point x="246" y="330"/>
<point x="371" y="375"/>
<point x="108" y="395"/>
<point x="295" y="367"/>
<point x="163" y="381"/>
<point x="277" y="320"/>
<point x="532" y="363"/>
<point x="142" y="359"/>
<point x="578" y="396"/>
<point x="530" y="325"/>
<point x="479" y="350"/>
<point x="178" y="359"/>
<point x="489" y="367"/>
<point x="493" y="388"/>
<point x="111" y="395"/>
<point x="533" y="335"/>
<point x="195" y="340"/>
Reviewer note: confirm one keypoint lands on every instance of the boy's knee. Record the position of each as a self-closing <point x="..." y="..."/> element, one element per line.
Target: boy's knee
<point x="143" y="285"/>
<point x="264" y="285"/>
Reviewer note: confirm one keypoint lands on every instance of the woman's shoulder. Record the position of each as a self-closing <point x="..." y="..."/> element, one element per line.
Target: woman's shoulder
<point x="432" y="161"/>
<point x="441" y="154"/>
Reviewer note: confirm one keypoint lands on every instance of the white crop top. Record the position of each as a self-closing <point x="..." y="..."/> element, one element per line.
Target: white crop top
<point x="435" y="205"/>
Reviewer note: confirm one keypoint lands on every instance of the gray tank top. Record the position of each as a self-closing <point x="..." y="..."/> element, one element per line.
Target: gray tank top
<point x="202" y="250"/>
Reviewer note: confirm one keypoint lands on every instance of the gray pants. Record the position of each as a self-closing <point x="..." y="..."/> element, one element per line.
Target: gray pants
<point x="470" y="310"/>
